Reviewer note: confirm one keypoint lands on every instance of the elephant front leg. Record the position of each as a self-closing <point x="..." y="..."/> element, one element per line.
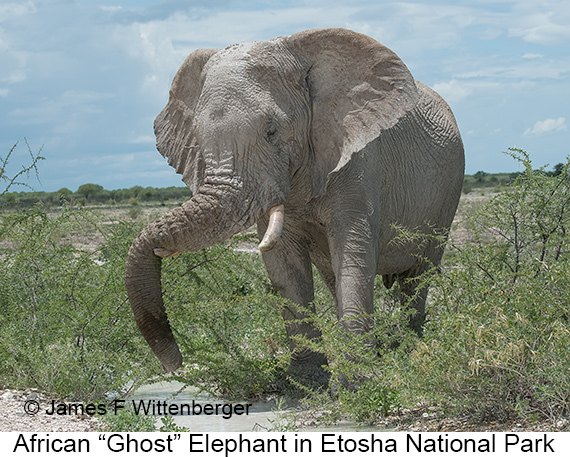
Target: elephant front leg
<point x="289" y="268"/>
<point x="354" y="264"/>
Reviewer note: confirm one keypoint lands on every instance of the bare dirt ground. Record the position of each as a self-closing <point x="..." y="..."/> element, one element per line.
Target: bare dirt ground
<point x="14" y="418"/>
<point x="434" y="421"/>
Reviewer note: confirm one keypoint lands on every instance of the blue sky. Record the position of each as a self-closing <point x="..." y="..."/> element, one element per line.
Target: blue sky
<point x="85" y="79"/>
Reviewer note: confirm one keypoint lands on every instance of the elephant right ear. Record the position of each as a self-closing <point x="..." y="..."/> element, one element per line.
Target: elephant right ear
<point x="358" y="88"/>
<point x="187" y="83"/>
<point x="173" y="127"/>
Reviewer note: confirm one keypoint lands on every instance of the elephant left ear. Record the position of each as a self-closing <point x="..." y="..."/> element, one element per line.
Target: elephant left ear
<point x="358" y="88"/>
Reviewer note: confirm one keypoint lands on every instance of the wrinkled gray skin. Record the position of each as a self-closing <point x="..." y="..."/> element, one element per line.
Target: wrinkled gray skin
<point x="330" y="124"/>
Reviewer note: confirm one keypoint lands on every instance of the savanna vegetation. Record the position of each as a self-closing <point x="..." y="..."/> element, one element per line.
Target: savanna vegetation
<point x="93" y="194"/>
<point x="496" y="345"/>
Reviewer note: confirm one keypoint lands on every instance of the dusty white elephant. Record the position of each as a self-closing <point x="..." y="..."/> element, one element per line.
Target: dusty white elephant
<point x="325" y="140"/>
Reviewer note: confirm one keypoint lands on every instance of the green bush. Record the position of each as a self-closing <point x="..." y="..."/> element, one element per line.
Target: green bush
<point x="128" y="421"/>
<point x="66" y="327"/>
<point x="227" y="322"/>
<point x="498" y="342"/>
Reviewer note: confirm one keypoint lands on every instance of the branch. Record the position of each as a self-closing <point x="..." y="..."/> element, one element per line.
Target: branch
<point x="26" y="170"/>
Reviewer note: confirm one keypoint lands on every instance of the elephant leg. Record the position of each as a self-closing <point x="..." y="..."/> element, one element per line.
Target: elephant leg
<point x="413" y="294"/>
<point x="290" y="272"/>
<point x="355" y="266"/>
<point x="413" y="297"/>
<point x="321" y="259"/>
<point x="355" y="269"/>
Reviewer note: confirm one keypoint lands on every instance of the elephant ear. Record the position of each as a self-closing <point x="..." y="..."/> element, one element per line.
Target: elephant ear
<point x="173" y="127"/>
<point x="358" y="89"/>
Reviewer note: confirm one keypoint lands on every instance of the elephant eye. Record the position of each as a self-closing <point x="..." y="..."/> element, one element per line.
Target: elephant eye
<point x="271" y="132"/>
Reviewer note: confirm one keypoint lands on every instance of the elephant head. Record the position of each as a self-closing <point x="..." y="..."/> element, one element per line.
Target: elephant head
<point x="258" y="128"/>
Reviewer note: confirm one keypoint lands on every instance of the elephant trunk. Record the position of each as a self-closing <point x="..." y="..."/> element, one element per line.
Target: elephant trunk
<point x="145" y="296"/>
<point x="204" y="220"/>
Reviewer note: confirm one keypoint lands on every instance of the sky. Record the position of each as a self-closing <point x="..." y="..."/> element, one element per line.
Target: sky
<point x="83" y="80"/>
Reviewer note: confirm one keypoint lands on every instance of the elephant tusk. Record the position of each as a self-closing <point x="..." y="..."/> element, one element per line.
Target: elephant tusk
<point x="274" y="229"/>
<point x="164" y="253"/>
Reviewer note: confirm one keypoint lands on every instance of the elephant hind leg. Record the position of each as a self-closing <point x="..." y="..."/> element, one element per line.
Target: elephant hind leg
<point x="413" y="296"/>
<point x="414" y="290"/>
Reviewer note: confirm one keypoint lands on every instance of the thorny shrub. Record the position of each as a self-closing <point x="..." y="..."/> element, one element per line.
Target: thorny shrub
<point x="498" y="341"/>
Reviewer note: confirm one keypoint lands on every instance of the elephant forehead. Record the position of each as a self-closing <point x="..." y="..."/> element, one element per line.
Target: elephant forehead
<point x="228" y="89"/>
<point x="226" y="75"/>
<point x="246" y="82"/>
<point x="257" y="62"/>
<point x="234" y="98"/>
<point x="231" y="59"/>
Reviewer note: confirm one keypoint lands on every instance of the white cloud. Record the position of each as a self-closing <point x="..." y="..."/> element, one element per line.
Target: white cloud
<point x="413" y="27"/>
<point x="536" y="22"/>
<point x="457" y="90"/>
<point x="112" y="161"/>
<point x="547" y="126"/>
<point x="453" y="91"/>
<point x="516" y="70"/>
<point x="11" y="10"/>
<point x="546" y="32"/>
<point x="64" y="109"/>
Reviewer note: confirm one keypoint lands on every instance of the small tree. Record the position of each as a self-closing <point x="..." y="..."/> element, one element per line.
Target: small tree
<point x="480" y="176"/>
<point x="64" y="191"/>
<point x="558" y="168"/>
<point x="89" y="190"/>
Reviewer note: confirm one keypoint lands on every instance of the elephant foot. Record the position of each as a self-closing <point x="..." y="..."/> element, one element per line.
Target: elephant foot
<point x="311" y="373"/>
<point x="416" y="323"/>
<point x="343" y="383"/>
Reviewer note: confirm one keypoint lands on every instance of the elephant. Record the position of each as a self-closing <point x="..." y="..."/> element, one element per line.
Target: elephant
<point x="324" y="140"/>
